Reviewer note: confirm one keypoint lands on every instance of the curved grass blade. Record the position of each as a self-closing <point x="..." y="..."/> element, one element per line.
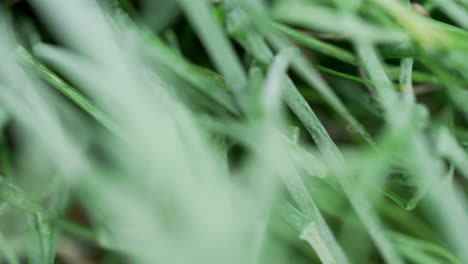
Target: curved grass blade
<point x="413" y="247"/>
<point x="14" y="195"/>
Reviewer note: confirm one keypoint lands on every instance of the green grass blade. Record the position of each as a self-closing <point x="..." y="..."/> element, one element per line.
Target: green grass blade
<point x="222" y="54"/>
<point x="69" y="91"/>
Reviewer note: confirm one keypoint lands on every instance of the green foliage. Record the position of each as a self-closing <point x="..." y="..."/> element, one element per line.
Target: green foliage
<point x="235" y="131"/>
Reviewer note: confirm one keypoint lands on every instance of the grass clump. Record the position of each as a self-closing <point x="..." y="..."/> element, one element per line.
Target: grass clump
<point x="234" y="131"/>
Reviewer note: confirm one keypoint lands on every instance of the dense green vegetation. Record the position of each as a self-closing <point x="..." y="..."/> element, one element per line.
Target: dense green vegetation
<point x="233" y="131"/>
